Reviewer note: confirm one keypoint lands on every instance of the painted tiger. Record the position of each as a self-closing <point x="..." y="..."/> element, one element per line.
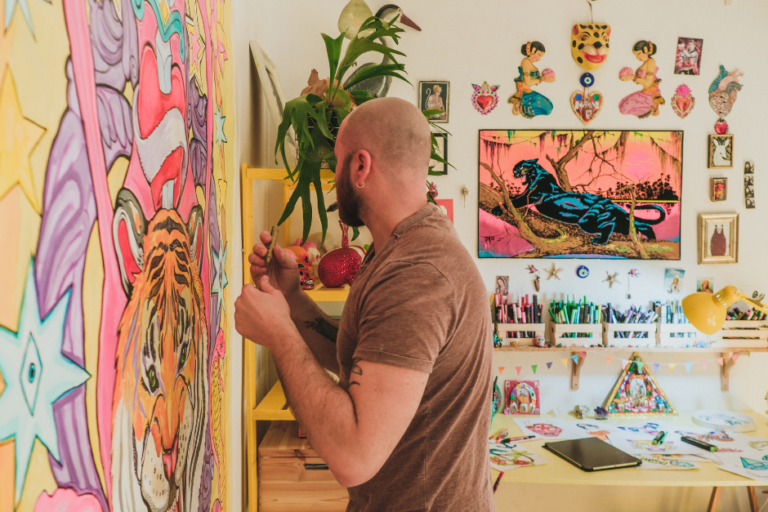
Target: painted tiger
<point x="159" y="402"/>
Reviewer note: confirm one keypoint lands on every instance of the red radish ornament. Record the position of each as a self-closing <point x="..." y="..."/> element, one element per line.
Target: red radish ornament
<point x="340" y="266"/>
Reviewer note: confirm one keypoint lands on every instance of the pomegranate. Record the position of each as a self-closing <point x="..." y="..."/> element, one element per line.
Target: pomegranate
<point x="340" y="266"/>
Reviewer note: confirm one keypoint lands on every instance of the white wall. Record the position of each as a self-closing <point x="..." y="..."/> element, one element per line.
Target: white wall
<point x="467" y="43"/>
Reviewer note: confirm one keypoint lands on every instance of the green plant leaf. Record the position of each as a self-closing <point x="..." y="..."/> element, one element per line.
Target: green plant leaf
<point x="333" y="49"/>
<point x="291" y="204"/>
<point x="377" y="70"/>
<point x="362" y="45"/>
<point x="361" y="96"/>
<point x="318" y="183"/>
<point x="432" y="112"/>
<point x="355" y="233"/>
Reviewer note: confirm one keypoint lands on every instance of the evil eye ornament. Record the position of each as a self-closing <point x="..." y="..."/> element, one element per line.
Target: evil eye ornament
<point x="582" y="271"/>
<point x="587" y="80"/>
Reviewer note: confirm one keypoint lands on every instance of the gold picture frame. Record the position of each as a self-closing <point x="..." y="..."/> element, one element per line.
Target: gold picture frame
<point x="718" y="238"/>
<point x="720" y="152"/>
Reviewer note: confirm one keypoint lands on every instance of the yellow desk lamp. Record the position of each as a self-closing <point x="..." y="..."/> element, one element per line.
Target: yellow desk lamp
<point x="707" y="311"/>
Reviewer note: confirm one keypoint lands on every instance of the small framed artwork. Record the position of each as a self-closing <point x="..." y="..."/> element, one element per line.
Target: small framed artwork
<point x="688" y="56"/>
<point x="705" y="285"/>
<point x="501" y="285"/>
<point x="442" y="152"/>
<point x="720" y="152"/>
<point x="718" y="189"/>
<point x="435" y="95"/>
<point x="718" y="238"/>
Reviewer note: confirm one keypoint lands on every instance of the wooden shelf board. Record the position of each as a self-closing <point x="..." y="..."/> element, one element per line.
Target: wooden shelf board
<point x="273" y="407"/>
<point x="630" y="349"/>
<point x="323" y="294"/>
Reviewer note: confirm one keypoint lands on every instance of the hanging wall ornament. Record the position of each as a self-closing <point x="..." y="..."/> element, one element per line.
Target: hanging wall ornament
<point x="587" y="104"/>
<point x="722" y="96"/>
<point x="645" y="102"/>
<point x="526" y="101"/>
<point x="590" y="43"/>
<point x="683" y="101"/>
<point x="485" y="97"/>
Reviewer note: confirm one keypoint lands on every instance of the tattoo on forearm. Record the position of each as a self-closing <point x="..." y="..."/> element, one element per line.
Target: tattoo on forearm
<point x="323" y="327"/>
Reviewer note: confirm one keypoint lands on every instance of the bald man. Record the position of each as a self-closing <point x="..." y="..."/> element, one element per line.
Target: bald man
<point x="406" y="428"/>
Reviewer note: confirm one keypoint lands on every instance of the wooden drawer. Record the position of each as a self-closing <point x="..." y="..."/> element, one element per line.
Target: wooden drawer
<point x="285" y="482"/>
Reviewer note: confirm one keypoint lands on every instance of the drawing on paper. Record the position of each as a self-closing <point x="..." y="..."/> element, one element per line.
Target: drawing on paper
<point x="580" y="194"/>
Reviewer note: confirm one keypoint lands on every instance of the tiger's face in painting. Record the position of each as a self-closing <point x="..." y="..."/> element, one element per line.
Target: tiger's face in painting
<point x="159" y="396"/>
<point x="590" y="43"/>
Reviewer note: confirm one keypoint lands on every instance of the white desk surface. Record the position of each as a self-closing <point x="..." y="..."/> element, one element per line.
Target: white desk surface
<point x="558" y="471"/>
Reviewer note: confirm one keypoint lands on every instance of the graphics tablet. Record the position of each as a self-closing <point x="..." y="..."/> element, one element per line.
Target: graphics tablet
<point x="592" y="454"/>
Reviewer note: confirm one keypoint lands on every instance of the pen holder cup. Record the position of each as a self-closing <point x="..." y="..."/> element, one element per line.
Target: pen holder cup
<point x="742" y="334"/>
<point x="629" y="335"/>
<point x="678" y="335"/>
<point x="527" y="334"/>
<point x="581" y="335"/>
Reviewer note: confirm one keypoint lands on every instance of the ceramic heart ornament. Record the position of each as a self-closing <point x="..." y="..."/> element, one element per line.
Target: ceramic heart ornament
<point x="586" y="105"/>
<point x="683" y="101"/>
<point x="485" y="97"/>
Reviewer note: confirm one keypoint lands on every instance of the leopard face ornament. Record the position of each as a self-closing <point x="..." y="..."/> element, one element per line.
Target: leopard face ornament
<point x="590" y="43"/>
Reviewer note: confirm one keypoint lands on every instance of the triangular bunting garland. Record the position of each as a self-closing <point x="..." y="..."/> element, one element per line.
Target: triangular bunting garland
<point x="655" y="367"/>
<point x="704" y="364"/>
<point x="637" y="392"/>
<point x="672" y="366"/>
<point x="719" y="361"/>
<point x="608" y="359"/>
<point x="565" y="362"/>
<point x="735" y="357"/>
<point x="549" y="365"/>
<point x="501" y="370"/>
<point x="533" y="367"/>
<point x="575" y="359"/>
<point x="583" y="355"/>
<point x="518" y="368"/>
<point x="688" y="367"/>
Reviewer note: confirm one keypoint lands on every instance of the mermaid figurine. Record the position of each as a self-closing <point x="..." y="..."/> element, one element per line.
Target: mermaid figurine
<point x="646" y="102"/>
<point x="525" y="101"/>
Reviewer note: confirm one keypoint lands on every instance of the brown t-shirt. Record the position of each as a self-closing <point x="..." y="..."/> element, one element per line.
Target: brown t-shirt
<point x="419" y="302"/>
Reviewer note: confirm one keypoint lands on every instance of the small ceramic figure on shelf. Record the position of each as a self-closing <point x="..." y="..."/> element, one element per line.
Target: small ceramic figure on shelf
<point x="646" y="102"/>
<point x="525" y="101"/>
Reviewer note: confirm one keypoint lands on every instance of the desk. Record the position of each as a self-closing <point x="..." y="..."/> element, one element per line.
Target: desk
<point x="560" y="472"/>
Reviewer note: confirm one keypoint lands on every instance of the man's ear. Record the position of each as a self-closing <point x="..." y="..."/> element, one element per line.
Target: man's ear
<point x="360" y="168"/>
<point x="128" y="229"/>
<point x="195" y="230"/>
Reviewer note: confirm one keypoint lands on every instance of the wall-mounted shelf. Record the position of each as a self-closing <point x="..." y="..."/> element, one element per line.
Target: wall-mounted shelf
<point x="725" y="369"/>
<point x="323" y="294"/>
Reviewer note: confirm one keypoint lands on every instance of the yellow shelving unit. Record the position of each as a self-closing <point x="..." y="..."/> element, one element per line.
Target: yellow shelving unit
<point x="274" y="406"/>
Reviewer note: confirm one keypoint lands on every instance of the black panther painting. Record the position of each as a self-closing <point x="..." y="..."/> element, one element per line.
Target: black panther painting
<point x="592" y="213"/>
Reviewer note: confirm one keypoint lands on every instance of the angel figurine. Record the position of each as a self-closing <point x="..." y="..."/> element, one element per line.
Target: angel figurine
<point x="646" y="102"/>
<point x="525" y="101"/>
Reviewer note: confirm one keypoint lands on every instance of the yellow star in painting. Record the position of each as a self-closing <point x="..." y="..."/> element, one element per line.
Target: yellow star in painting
<point x="18" y="138"/>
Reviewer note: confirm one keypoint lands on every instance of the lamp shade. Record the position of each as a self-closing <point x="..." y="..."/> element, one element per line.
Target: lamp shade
<point x="707" y="311"/>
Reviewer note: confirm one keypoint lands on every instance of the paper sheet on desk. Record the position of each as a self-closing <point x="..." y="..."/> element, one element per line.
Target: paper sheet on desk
<point x="548" y="428"/>
<point x="667" y="462"/>
<point x="506" y="457"/>
<point x="743" y="472"/>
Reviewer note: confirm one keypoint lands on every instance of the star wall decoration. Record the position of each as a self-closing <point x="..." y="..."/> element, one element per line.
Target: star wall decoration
<point x="552" y="272"/>
<point x="20" y="138"/>
<point x="36" y="374"/>
<point x="220" y="277"/>
<point x="611" y="279"/>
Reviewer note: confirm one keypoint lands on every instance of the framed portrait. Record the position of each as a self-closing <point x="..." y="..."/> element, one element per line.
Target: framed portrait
<point x="435" y="95"/>
<point x="688" y="56"/>
<point x="564" y="203"/>
<point x="718" y="189"/>
<point x="501" y="285"/>
<point x="442" y="151"/>
<point x="718" y="238"/>
<point x="720" y="152"/>
<point x="272" y="88"/>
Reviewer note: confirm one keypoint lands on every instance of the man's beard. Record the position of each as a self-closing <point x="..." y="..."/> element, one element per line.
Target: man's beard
<point x="348" y="199"/>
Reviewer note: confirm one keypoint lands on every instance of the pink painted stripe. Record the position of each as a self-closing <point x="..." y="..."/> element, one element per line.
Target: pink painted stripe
<point x="113" y="300"/>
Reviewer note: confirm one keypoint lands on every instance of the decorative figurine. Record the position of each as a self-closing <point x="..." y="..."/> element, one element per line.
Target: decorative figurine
<point x="590" y="43"/>
<point x="553" y="271"/>
<point x="340" y="266"/>
<point x="637" y="393"/>
<point x="611" y="279"/>
<point x="722" y="96"/>
<point x="646" y="102"/>
<point x="601" y="413"/>
<point x="581" y="411"/>
<point x="485" y="98"/>
<point x="522" y="397"/>
<point x="525" y="101"/>
<point x="585" y="104"/>
<point x="682" y="101"/>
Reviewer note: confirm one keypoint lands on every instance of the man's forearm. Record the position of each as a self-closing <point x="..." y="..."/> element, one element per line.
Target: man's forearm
<point x="324" y="410"/>
<point x="318" y="330"/>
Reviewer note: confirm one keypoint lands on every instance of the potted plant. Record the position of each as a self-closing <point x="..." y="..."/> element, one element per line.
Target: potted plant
<point x="317" y="114"/>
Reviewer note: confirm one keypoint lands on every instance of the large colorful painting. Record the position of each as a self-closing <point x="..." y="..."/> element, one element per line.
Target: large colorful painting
<point x="114" y="166"/>
<point x="580" y="194"/>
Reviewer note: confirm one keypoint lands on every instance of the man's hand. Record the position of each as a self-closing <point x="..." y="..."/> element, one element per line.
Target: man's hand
<point x="263" y="316"/>
<point x="283" y="272"/>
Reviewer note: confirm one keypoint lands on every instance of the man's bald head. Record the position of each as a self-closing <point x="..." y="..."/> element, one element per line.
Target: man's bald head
<point x="393" y="131"/>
